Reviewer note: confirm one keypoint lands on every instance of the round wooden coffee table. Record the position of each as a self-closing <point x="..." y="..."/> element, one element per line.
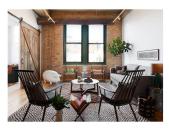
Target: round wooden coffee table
<point x="90" y="90"/>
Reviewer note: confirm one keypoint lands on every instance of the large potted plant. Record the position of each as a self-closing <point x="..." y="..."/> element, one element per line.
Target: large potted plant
<point x="59" y="102"/>
<point x="117" y="46"/>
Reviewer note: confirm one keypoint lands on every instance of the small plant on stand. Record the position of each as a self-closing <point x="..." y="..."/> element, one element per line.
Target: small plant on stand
<point x="59" y="103"/>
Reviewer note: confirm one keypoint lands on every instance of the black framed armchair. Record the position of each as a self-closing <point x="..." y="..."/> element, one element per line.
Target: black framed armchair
<point x="124" y="92"/>
<point x="35" y="92"/>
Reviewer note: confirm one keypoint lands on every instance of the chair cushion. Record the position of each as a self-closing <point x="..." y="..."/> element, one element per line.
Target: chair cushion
<point x="116" y="78"/>
<point x="51" y="94"/>
<point x="132" y="67"/>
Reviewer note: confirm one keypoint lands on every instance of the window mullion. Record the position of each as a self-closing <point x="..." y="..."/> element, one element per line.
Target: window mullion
<point x="84" y="44"/>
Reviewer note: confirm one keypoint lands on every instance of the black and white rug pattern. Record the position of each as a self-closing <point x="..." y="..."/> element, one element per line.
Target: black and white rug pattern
<point x="90" y="113"/>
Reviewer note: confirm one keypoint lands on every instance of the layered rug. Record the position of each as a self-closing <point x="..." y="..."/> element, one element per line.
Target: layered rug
<point x="90" y="113"/>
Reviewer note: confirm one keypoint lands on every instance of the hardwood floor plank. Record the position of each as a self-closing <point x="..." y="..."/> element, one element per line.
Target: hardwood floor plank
<point x="16" y="98"/>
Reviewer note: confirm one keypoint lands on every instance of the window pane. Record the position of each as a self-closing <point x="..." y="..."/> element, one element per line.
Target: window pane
<point x="96" y="53"/>
<point x="73" y="52"/>
<point x="73" y="33"/>
<point x="96" y="33"/>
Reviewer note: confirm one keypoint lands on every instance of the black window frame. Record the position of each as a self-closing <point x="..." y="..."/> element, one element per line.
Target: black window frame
<point x="84" y="46"/>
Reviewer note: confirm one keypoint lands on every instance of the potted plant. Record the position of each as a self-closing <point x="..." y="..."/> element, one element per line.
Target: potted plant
<point x="59" y="102"/>
<point x="117" y="46"/>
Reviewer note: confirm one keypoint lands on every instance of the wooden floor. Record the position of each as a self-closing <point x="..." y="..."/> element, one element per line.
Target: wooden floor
<point x="16" y="98"/>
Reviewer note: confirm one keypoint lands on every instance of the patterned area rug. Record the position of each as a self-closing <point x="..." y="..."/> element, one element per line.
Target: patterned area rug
<point x="90" y="114"/>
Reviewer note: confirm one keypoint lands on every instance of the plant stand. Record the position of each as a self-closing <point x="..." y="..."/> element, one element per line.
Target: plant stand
<point x="59" y="115"/>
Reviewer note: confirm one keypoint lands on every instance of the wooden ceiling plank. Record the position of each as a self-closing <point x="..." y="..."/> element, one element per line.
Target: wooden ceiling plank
<point x="79" y="16"/>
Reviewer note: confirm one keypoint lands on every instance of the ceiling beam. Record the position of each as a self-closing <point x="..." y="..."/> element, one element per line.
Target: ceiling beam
<point x="49" y="17"/>
<point x="44" y="13"/>
<point x="77" y="16"/>
<point x="43" y="21"/>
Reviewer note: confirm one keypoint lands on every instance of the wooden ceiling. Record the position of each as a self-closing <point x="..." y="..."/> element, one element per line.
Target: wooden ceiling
<point x="78" y="16"/>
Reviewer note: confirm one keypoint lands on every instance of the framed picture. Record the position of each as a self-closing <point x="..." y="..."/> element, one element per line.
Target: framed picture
<point x="148" y="55"/>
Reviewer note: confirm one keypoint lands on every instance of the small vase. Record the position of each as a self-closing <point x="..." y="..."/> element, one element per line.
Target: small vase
<point x="59" y="115"/>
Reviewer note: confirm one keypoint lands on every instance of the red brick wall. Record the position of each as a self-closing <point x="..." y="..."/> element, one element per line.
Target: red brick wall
<point x="113" y="31"/>
<point x="52" y="47"/>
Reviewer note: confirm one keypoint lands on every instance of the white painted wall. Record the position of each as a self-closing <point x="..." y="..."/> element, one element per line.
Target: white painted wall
<point x="28" y="16"/>
<point x="13" y="40"/>
<point x="144" y="29"/>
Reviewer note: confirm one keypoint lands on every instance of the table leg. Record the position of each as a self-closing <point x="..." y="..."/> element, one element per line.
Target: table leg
<point x="71" y="87"/>
<point x="97" y="88"/>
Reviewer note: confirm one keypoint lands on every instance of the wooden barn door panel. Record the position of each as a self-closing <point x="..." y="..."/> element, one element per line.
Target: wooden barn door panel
<point x="33" y="40"/>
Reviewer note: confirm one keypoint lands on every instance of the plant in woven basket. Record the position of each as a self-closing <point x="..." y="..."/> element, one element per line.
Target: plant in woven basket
<point x="59" y="102"/>
<point x="117" y="46"/>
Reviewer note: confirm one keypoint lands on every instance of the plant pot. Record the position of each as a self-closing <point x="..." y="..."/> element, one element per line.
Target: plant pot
<point x="59" y="115"/>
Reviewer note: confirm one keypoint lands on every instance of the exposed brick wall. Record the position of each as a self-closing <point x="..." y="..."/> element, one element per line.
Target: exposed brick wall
<point x="52" y="46"/>
<point x="113" y="31"/>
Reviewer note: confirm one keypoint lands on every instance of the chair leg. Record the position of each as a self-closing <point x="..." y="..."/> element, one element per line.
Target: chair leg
<point x="116" y="113"/>
<point x="97" y="88"/>
<point x="60" y="90"/>
<point x="71" y="87"/>
<point x="55" y="92"/>
<point x="100" y="105"/>
<point x="26" y="112"/>
<point x="81" y="118"/>
<point x="44" y="113"/>
<point x="133" y="112"/>
<point x="78" y="117"/>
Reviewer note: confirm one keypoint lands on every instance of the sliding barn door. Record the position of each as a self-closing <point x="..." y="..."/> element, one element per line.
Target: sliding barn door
<point x="30" y="39"/>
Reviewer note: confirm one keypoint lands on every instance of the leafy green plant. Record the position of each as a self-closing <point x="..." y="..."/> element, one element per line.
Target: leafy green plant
<point x="59" y="102"/>
<point x="117" y="46"/>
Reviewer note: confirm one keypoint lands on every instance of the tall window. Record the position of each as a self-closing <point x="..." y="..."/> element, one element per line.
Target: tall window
<point x="84" y="44"/>
<point x="96" y="43"/>
<point x="73" y="43"/>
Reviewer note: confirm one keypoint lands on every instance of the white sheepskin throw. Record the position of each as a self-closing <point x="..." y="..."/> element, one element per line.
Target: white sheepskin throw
<point x="51" y="76"/>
